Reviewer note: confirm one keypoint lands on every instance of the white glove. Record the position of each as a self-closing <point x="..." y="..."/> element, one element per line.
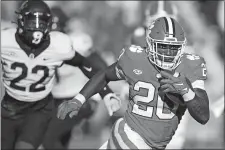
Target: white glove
<point x="112" y="103"/>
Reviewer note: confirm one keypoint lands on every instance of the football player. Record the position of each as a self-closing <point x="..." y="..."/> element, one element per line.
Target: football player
<point x="156" y="9"/>
<point x="164" y="81"/>
<point x="67" y="75"/>
<point x="30" y="55"/>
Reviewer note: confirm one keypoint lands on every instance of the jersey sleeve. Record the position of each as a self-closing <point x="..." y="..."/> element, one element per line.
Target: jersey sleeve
<point x="63" y="45"/>
<point x="129" y="56"/>
<point x="197" y="72"/>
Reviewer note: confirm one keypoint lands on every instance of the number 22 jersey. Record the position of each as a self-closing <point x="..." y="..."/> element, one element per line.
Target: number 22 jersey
<point x="28" y="75"/>
<point x="154" y="117"/>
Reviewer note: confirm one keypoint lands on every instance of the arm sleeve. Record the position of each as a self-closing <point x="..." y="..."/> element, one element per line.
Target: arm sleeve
<point x="99" y="81"/>
<point x="86" y="67"/>
<point x="199" y="106"/>
<point x="90" y="68"/>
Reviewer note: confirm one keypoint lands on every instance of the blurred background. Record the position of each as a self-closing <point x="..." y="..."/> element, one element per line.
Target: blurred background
<point x="104" y="27"/>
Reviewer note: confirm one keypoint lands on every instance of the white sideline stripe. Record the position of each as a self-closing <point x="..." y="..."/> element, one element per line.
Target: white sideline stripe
<point x="118" y="137"/>
<point x="135" y="138"/>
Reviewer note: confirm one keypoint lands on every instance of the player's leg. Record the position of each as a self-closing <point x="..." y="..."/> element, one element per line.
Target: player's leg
<point x="56" y="130"/>
<point x="123" y="137"/>
<point x="8" y="133"/>
<point x="59" y="131"/>
<point x="33" y="128"/>
<point x="10" y="121"/>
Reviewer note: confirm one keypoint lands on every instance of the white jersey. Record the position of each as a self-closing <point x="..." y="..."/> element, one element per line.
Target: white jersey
<point x="71" y="82"/>
<point x="29" y="78"/>
<point x="71" y="78"/>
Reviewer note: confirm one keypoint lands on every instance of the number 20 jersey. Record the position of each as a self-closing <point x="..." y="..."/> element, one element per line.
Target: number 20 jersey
<point x="155" y="118"/>
<point x="29" y="78"/>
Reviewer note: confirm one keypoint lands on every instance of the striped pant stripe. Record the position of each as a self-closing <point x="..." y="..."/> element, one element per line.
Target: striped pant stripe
<point x="135" y="138"/>
<point x="124" y="136"/>
<point x="116" y="138"/>
<point x="111" y="144"/>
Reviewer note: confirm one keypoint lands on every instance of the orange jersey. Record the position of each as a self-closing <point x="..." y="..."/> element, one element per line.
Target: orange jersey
<point x="155" y="118"/>
<point x="30" y="78"/>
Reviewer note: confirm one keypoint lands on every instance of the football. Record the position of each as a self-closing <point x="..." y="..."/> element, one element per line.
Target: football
<point x="176" y="98"/>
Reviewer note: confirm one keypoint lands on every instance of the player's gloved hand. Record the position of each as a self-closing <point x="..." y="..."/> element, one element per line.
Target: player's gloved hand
<point x="70" y="107"/>
<point x="112" y="103"/>
<point x="174" y="83"/>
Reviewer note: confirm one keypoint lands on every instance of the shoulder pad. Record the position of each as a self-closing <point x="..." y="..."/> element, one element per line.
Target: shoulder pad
<point x="134" y="50"/>
<point x="8" y="33"/>
<point x="131" y="54"/>
<point x="62" y="45"/>
<point x="196" y="65"/>
<point x="8" y="36"/>
<point x="7" y="25"/>
<point x="61" y="42"/>
<point x="192" y="59"/>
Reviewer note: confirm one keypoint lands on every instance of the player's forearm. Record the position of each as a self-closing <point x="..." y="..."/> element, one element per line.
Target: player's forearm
<point x="87" y="67"/>
<point x="97" y="83"/>
<point x="88" y="70"/>
<point x="93" y="86"/>
<point x="96" y="64"/>
<point x="198" y="107"/>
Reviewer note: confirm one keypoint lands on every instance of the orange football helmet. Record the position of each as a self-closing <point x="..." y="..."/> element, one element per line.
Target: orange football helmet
<point x="166" y="41"/>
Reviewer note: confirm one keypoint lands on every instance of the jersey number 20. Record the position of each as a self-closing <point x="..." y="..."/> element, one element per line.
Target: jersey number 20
<point x="33" y="87"/>
<point x="150" y="97"/>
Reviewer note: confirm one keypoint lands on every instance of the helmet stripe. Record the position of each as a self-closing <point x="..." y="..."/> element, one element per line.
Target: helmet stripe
<point x="170" y="25"/>
<point x="174" y="32"/>
<point x="166" y="23"/>
<point x="37" y="19"/>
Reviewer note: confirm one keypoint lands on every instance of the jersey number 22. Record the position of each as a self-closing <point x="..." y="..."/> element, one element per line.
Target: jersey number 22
<point x="33" y="87"/>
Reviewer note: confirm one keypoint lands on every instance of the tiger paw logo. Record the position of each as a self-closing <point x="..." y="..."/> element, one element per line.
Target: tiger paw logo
<point x="136" y="49"/>
<point x="137" y="71"/>
<point x="193" y="57"/>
